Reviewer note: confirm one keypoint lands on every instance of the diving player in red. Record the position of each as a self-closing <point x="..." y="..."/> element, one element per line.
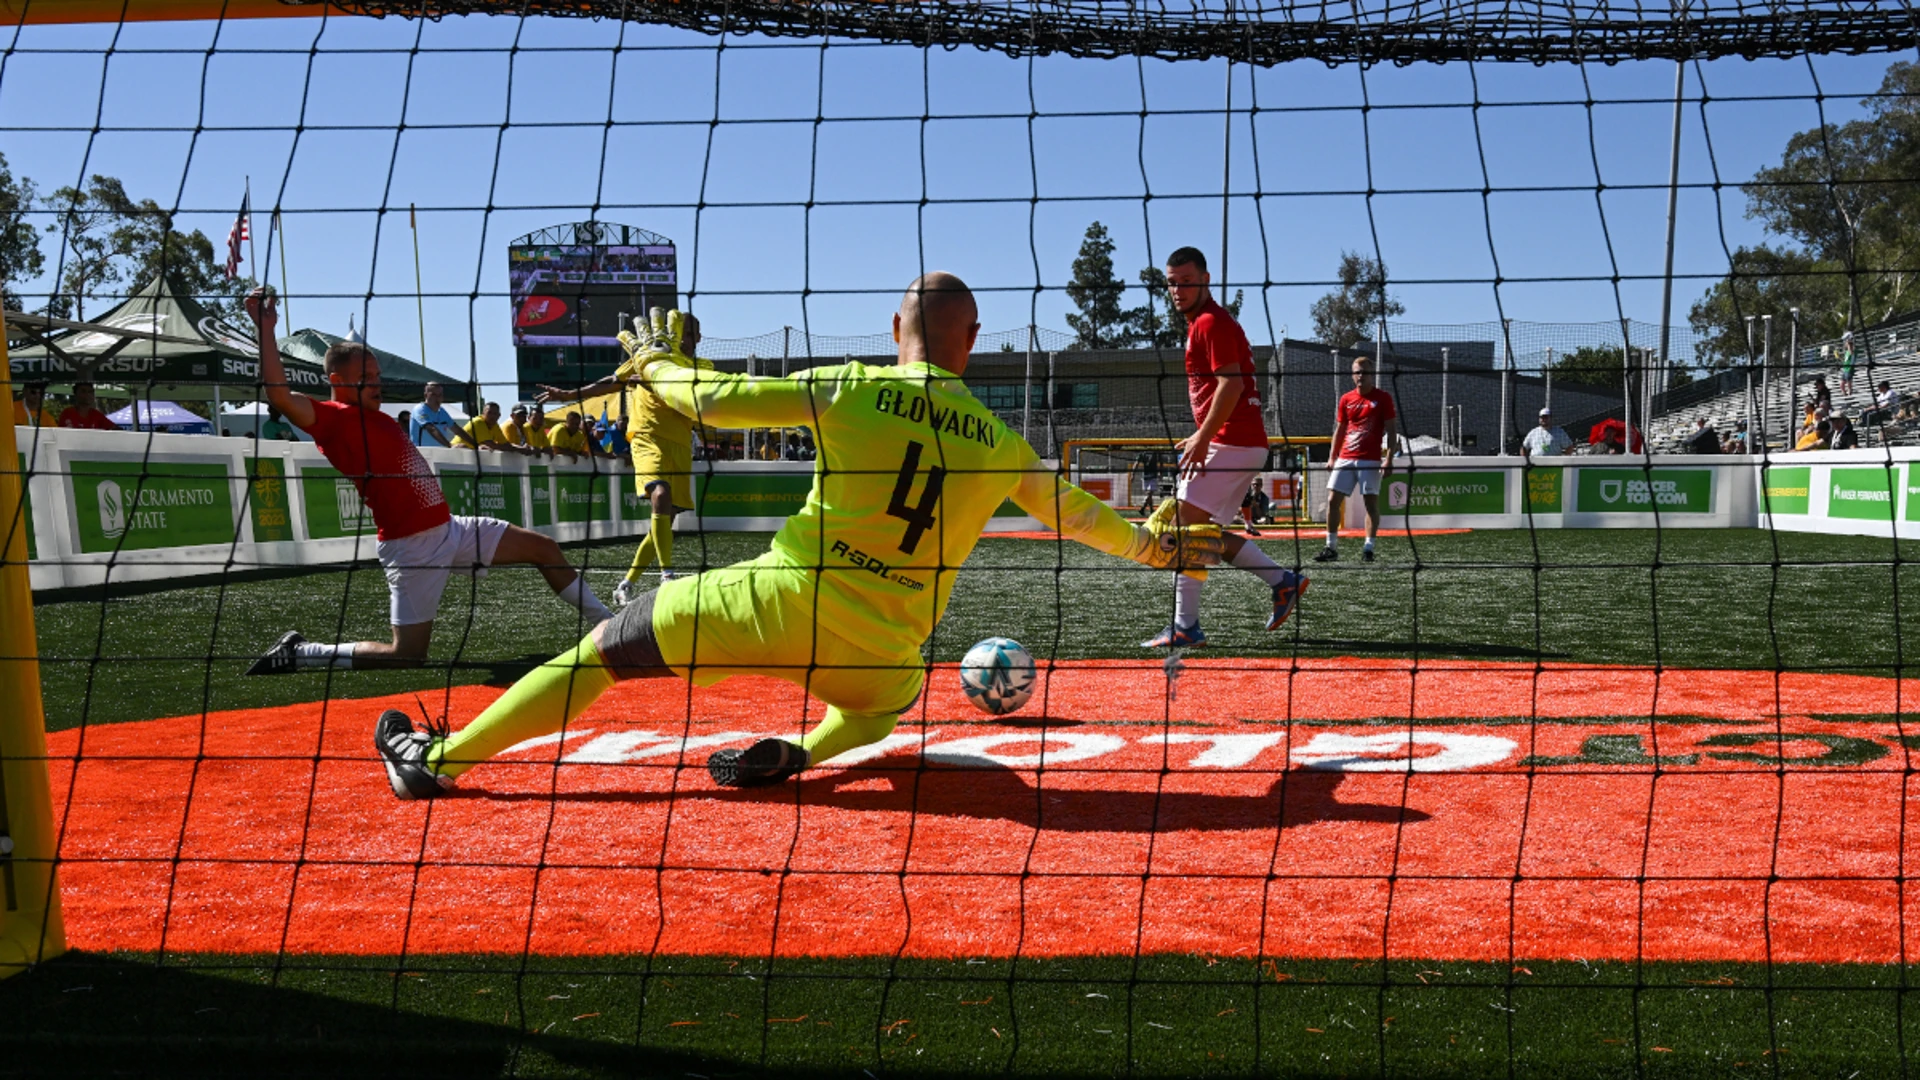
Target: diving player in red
<point x="420" y="543"/>
<point x="1224" y="455"/>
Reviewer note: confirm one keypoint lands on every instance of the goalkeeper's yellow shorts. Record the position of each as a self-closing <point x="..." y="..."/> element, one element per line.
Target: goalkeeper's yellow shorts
<point x="758" y="618"/>
<point x="667" y="461"/>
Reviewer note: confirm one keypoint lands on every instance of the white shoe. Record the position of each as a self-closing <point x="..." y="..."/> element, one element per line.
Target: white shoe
<point x="668" y="575"/>
<point x="625" y="593"/>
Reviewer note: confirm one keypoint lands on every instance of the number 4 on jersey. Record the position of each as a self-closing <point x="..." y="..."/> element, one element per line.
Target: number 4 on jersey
<point x="919" y="518"/>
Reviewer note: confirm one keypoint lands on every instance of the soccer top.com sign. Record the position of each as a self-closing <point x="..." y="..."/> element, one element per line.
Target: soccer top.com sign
<point x="1643" y="491"/>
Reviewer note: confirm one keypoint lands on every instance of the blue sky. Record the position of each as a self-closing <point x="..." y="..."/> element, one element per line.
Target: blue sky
<point x="527" y="134"/>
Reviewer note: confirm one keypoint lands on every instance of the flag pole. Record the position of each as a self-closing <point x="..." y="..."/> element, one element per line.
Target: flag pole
<point x="246" y="211"/>
<point x="419" y="294"/>
<point x="286" y="303"/>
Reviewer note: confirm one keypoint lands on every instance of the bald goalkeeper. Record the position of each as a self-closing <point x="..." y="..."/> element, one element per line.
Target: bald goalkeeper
<point x="910" y="468"/>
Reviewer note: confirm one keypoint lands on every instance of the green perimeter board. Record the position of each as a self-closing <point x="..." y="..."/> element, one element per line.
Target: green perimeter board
<point x="267" y="500"/>
<point x="1913" y="491"/>
<point x="540" y="485"/>
<point x="584" y="497"/>
<point x="487" y="494"/>
<point x="754" y="494"/>
<point x="1641" y="491"/>
<point x="139" y="506"/>
<point x="1786" y="490"/>
<point x="1448" y="493"/>
<point x="1861" y="494"/>
<point x="25" y="516"/>
<point x="333" y="504"/>
<point x="1545" y="487"/>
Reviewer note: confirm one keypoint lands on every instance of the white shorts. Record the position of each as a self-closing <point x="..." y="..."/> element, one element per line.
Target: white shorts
<point x="1220" y="486"/>
<point x="1349" y="473"/>
<point x="418" y="566"/>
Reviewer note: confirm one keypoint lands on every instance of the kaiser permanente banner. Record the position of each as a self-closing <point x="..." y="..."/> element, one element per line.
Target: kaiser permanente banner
<point x="1860" y="492"/>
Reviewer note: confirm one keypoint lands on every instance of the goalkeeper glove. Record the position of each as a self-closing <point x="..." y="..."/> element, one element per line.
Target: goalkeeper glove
<point x="1187" y="547"/>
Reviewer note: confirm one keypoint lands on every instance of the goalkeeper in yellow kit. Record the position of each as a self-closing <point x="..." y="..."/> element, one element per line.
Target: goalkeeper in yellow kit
<point x="910" y="469"/>
<point x="662" y="449"/>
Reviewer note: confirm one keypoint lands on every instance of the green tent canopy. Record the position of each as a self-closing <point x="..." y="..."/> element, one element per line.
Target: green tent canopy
<point x="401" y="379"/>
<point x="208" y="359"/>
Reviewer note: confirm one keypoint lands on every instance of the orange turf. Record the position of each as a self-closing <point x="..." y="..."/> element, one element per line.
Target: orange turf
<point x="288" y="837"/>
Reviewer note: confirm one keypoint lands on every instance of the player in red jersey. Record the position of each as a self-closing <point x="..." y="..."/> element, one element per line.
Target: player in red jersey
<point x="420" y="543"/>
<point x="1223" y="455"/>
<point x="1362" y="434"/>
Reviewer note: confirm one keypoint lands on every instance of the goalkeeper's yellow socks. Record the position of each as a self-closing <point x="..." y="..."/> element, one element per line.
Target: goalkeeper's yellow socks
<point x="660" y="531"/>
<point x="841" y="732"/>
<point x="547" y="699"/>
<point x="642" y="558"/>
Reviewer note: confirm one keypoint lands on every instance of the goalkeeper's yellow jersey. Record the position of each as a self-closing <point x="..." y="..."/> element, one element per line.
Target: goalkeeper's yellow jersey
<point x="648" y="418"/>
<point x="910" y="467"/>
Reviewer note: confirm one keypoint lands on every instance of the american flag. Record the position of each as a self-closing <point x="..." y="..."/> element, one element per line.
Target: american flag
<point x="235" y="237"/>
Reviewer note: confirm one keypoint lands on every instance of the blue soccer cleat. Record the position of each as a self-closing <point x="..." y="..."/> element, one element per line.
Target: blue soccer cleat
<point x="1285" y="596"/>
<point x="1177" y="637"/>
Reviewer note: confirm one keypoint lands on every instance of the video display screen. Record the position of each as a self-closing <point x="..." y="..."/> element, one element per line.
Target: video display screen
<point x="574" y="295"/>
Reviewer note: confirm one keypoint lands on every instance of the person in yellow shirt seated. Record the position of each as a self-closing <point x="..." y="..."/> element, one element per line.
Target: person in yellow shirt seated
<point x="483" y="431"/>
<point x="29" y="409"/>
<point x="570" y="438"/>
<point x="528" y="437"/>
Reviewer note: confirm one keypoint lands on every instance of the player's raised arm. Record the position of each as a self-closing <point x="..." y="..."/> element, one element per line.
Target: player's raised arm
<point x="1079" y="516"/>
<point x="263" y="308"/>
<point x="723" y="399"/>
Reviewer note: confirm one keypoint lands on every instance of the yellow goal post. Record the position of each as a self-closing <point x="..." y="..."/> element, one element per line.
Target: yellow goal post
<point x="1137" y="472"/>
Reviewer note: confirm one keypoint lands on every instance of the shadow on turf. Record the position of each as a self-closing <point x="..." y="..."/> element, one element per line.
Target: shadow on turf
<point x="1307" y="795"/>
<point x="92" y="1015"/>
<point x="1433" y="648"/>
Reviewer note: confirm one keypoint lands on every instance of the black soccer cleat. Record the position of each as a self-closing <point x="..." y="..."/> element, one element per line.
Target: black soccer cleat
<point x="1327" y="554"/>
<point x="768" y="761"/>
<point x="403" y="750"/>
<point x="1366" y="554"/>
<point x="279" y="660"/>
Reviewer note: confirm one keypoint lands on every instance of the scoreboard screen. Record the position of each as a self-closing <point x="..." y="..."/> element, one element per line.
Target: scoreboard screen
<point x="571" y="296"/>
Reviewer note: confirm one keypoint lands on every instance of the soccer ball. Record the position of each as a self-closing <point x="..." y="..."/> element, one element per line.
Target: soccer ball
<point x="998" y="675"/>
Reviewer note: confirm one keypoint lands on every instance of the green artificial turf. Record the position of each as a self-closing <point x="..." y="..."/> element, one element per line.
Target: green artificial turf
<point x="1681" y="598"/>
<point x="1158" y="1016"/>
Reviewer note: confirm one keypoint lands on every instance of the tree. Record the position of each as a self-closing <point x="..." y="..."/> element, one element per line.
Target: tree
<point x="1102" y="323"/>
<point x="1591" y="365"/>
<point x="110" y="238"/>
<point x="1157" y="323"/>
<point x="1768" y="280"/>
<point x="1346" y="315"/>
<point x="20" y="257"/>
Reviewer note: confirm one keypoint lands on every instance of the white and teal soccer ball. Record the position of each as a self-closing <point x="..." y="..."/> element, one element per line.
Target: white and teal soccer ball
<point x="998" y="675"/>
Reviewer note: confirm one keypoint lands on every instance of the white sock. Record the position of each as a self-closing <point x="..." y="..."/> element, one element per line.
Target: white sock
<point x="1250" y="557"/>
<point x="1186" y="600"/>
<point x="577" y="594"/>
<point x="1368" y="546"/>
<point x="1333" y="538"/>
<point x="312" y="654"/>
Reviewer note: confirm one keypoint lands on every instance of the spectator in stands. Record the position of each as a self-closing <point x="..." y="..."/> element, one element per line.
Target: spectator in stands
<point x="1704" y="439"/>
<point x="84" y="413"/>
<point x="570" y="438"/>
<point x="30" y="410"/>
<point x="1822" y="397"/>
<point x="1886" y="405"/>
<point x="1816" y="439"/>
<point x="483" y="431"/>
<point x="432" y="424"/>
<point x="617" y="442"/>
<point x="529" y="436"/>
<point x="1846" y="364"/>
<point x="1254" y="506"/>
<point x="1546" y="438"/>
<point x="276" y="428"/>
<point x="1736" y="440"/>
<point x="405" y="420"/>
<point x="1843" y="436"/>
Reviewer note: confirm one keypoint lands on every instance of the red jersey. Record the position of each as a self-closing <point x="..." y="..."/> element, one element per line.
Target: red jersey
<point x="92" y="419"/>
<point x="1217" y="346"/>
<point x="395" y="482"/>
<point x="1369" y="417"/>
